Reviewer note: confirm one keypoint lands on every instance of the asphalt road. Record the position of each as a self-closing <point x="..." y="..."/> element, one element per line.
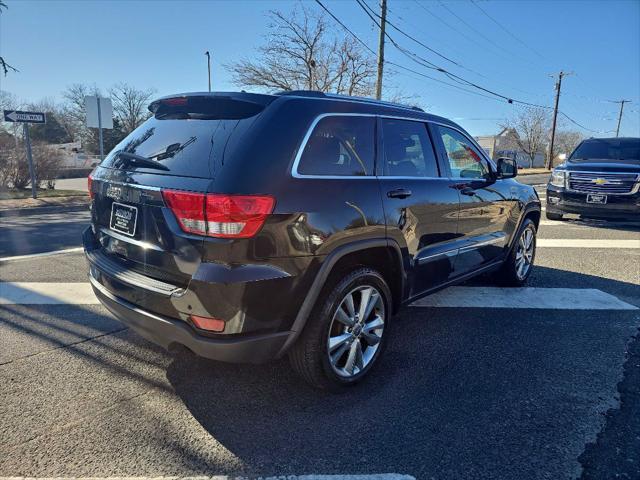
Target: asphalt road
<point x="23" y="235"/>
<point x="482" y="392"/>
<point x="537" y="179"/>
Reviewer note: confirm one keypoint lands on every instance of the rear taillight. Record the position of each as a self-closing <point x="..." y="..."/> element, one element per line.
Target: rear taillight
<point x="236" y="216"/>
<point x="90" y="185"/>
<point x="217" y="215"/>
<point x="188" y="208"/>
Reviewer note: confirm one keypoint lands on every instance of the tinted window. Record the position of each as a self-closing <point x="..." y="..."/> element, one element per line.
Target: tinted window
<point x="464" y="159"/>
<point x="339" y="145"/>
<point x="408" y="151"/>
<point x="608" y="149"/>
<point x="186" y="147"/>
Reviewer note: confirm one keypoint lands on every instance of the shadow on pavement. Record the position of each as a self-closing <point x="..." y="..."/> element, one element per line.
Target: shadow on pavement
<point x="468" y="393"/>
<point x="27" y="235"/>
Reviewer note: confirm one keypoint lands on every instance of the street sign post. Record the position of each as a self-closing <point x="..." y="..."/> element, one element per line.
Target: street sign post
<point x="26" y="118"/>
<point x="99" y="115"/>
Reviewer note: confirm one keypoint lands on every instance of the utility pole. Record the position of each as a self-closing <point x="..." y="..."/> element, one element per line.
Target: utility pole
<point x="208" y="67"/>
<point x="621" y="102"/>
<point x="383" y="22"/>
<point x="555" y="118"/>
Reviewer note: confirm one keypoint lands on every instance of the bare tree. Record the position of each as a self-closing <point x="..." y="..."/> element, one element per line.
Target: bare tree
<point x="130" y="105"/>
<point x="301" y="53"/>
<point x="9" y="101"/>
<point x="73" y="115"/>
<point x="567" y="140"/>
<point x="528" y="131"/>
<point x="3" y="64"/>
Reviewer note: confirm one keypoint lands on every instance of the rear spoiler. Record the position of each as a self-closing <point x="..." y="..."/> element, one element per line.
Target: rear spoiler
<point x="218" y="105"/>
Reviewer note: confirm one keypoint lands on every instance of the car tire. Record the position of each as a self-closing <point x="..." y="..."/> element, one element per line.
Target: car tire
<point x="513" y="273"/>
<point x="319" y="357"/>
<point x="554" y="216"/>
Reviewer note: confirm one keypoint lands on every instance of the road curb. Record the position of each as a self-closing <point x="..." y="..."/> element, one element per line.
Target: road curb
<point x="23" y="212"/>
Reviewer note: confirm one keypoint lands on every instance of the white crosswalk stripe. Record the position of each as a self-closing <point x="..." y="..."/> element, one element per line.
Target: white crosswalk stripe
<point x="526" y="297"/>
<point x="36" y="293"/>
<point x="40" y="293"/>
<point x="575" y="222"/>
<point x="605" y="243"/>
<point x="44" y="254"/>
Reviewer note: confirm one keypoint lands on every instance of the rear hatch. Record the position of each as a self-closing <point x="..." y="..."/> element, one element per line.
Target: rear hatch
<point x="181" y="148"/>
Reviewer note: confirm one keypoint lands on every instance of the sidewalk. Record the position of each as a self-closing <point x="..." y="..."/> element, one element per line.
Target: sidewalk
<point x="533" y="171"/>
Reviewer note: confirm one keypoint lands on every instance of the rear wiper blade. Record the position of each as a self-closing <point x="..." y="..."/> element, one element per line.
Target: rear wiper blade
<point x="141" y="161"/>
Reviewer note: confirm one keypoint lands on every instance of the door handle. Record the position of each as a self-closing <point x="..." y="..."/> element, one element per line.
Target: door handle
<point x="464" y="189"/>
<point x="399" y="193"/>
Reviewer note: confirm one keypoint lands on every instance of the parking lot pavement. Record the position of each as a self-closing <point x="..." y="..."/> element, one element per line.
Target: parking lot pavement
<point x="540" y="389"/>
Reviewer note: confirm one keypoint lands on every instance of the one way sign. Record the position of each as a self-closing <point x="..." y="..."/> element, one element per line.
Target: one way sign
<point x="24" y="117"/>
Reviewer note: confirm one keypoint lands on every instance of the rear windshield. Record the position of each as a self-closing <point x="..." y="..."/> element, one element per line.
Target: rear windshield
<point x="608" y="150"/>
<point x="188" y="140"/>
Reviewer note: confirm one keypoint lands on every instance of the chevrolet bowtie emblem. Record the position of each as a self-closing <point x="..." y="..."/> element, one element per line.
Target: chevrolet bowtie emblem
<point x="600" y="181"/>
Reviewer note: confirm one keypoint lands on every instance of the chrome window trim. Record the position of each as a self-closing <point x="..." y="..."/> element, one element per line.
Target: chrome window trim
<point x="305" y="140"/>
<point x="130" y="185"/>
<point x="448" y="253"/>
<point x="498" y="238"/>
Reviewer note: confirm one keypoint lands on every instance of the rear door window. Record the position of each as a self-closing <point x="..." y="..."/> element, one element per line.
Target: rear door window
<point x="339" y="146"/>
<point x="408" y="151"/>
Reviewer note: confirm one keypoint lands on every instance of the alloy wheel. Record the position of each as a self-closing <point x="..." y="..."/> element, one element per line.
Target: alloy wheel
<point x="524" y="252"/>
<point x="356" y="331"/>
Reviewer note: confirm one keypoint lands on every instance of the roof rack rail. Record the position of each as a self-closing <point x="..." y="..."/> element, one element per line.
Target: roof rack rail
<point x="337" y="96"/>
<point x="302" y="93"/>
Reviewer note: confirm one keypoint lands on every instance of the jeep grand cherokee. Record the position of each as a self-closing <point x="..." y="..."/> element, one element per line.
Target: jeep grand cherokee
<point x="246" y="227"/>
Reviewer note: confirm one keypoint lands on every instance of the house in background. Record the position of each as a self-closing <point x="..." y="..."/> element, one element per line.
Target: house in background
<point x="502" y="145"/>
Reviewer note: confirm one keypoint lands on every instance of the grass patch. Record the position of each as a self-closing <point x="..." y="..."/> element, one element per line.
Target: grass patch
<point x="18" y="194"/>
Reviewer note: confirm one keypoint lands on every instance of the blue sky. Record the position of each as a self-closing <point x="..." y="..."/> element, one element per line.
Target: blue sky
<point x="161" y="44"/>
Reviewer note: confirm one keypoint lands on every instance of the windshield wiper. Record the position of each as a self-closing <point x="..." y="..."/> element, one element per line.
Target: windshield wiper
<point x="141" y="161"/>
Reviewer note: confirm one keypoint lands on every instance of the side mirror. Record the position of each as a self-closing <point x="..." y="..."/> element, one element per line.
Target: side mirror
<point x="507" y="168"/>
<point x="562" y="157"/>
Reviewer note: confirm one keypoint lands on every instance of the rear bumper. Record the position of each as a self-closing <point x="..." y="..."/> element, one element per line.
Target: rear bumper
<point x="560" y="201"/>
<point x="168" y="332"/>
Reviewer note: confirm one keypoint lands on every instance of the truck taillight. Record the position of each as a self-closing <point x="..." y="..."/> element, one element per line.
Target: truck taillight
<point x="218" y="215"/>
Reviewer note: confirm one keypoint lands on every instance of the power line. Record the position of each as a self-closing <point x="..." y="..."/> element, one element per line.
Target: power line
<point x="505" y="29"/>
<point x="357" y="38"/>
<point x="582" y="126"/>
<point x="471" y="27"/>
<point x="493" y="96"/>
<point x="472" y="40"/>
<point x="450" y="46"/>
<point x="428" y="64"/>
<point x="402" y="32"/>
